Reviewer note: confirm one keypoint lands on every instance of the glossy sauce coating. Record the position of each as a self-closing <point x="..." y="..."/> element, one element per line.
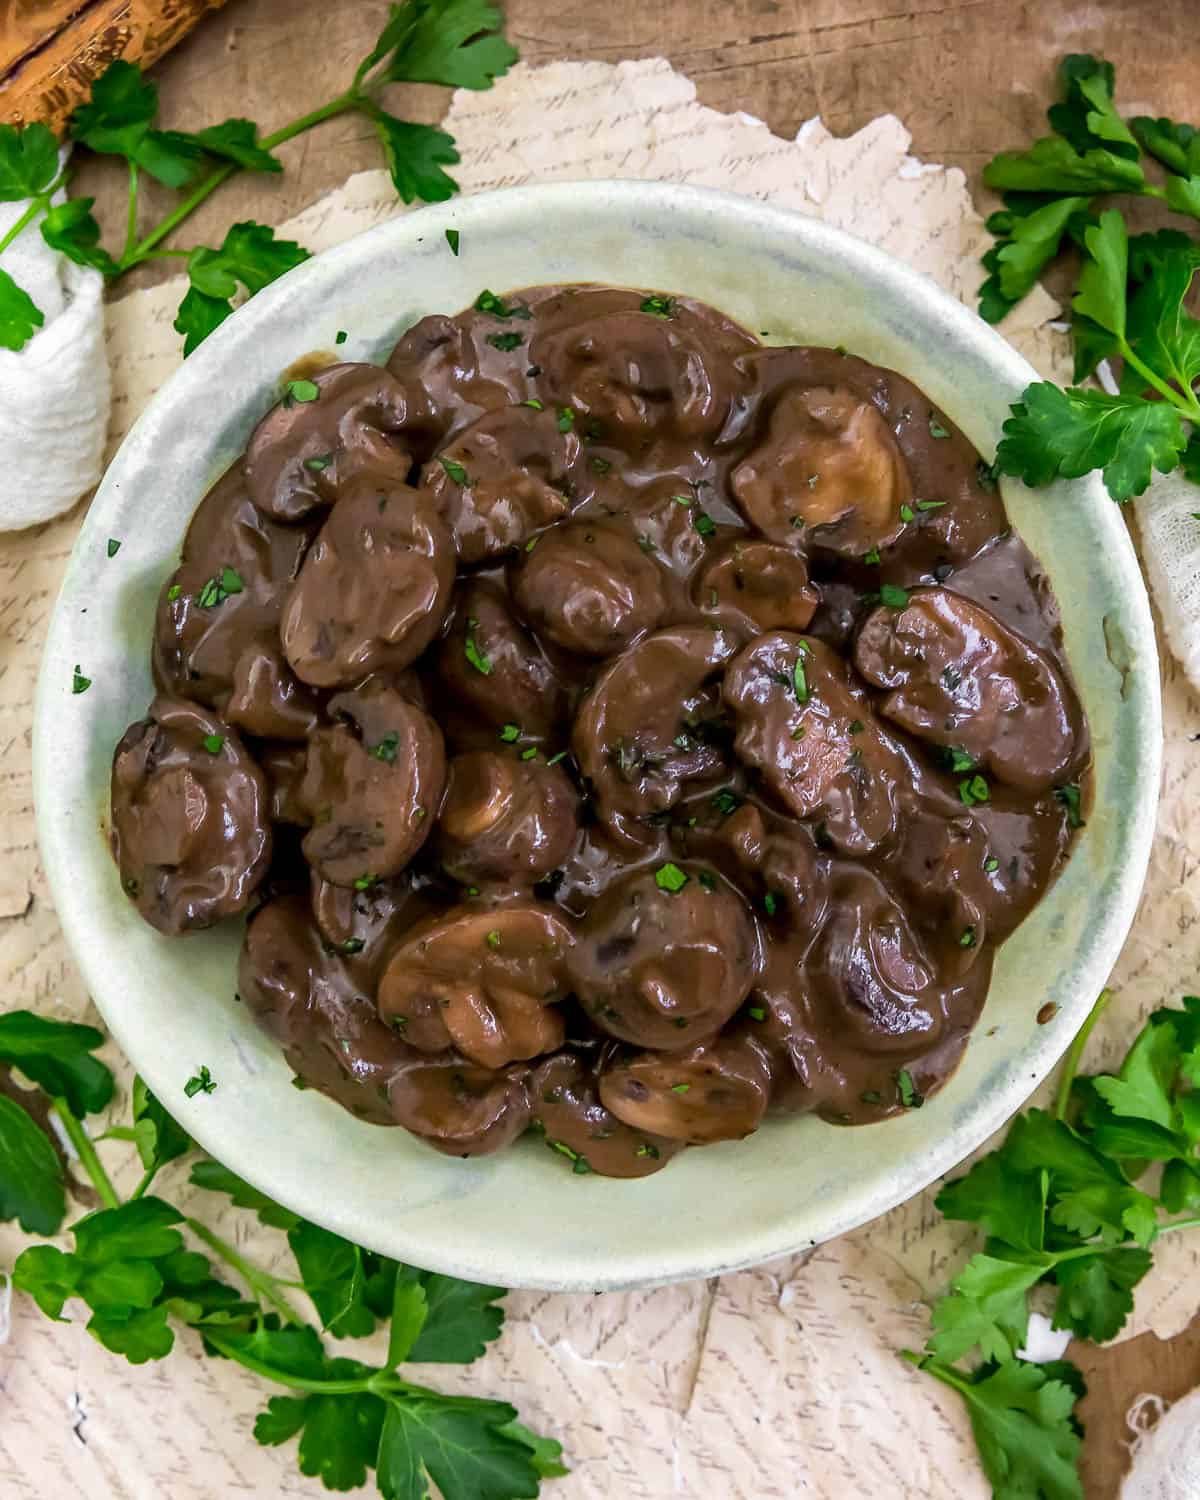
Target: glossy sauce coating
<point x="654" y="731"/>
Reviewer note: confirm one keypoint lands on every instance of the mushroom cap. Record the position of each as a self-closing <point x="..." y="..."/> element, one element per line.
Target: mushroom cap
<point x="715" y="1092"/>
<point x="566" y="1103"/>
<point x="190" y="817"/>
<point x="458" y="1107"/>
<point x="505" y="818"/>
<point x="756" y="585"/>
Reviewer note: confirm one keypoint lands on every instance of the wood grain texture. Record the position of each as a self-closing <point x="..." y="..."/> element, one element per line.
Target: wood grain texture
<point x="967" y="77"/>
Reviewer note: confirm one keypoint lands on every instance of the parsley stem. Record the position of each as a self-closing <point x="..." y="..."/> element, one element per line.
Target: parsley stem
<point x="86" y="1152"/>
<point x="262" y="1283"/>
<point x="377" y="1383"/>
<point x="1182" y="401"/>
<point x="131" y="213"/>
<point x="1178" y="1224"/>
<point x="213" y="181"/>
<point x="1075" y="1053"/>
<point x="35" y="207"/>
<point x="148" y="1177"/>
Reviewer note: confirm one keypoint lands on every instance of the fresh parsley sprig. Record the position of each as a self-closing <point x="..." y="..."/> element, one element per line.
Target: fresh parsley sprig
<point x="454" y="43"/>
<point x="131" y="1267"/>
<point x="1061" y="1207"/>
<point x="1130" y="302"/>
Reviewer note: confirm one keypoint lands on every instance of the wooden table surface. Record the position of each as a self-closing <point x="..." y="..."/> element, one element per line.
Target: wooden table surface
<point x="967" y="78"/>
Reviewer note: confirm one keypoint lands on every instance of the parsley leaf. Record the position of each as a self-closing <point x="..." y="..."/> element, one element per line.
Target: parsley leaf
<point x="159" y="1139"/>
<point x="250" y="255"/>
<point x="57" y="1056"/>
<point x="28" y="161"/>
<point x="116" y="121"/>
<point x="459" y="1445"/>
<point x="1177" y="146"/>
<point x="1095" y="1292"/>
<point x="71" y="227"/>
<point x="233" y="140"/>
<point x="1054" y="166"/>
<point x="201" y="1082"/>
<point x="339" y="1434"/>
<point x="20" y="316"/>
<point x="451" y="42"/>
<point x="415" y="155"/>
<point x="31" y="1174"/>
<point x="1054" y="433"/>
<point x="462" y="1319"/>
<point x="988" y="1309"/>
<point x="215" y="1178"/>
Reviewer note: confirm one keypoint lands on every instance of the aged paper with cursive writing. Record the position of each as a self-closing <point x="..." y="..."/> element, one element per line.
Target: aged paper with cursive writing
<point x="773" y="1383"/>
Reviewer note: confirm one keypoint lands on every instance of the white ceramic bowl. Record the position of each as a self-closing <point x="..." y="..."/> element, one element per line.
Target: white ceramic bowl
<point x="518" y="1218"/>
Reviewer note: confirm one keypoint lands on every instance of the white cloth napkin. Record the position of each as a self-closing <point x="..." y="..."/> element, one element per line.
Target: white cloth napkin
<point x="54" y="393"/>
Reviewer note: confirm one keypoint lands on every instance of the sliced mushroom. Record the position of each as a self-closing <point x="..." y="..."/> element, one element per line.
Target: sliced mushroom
<point x="361" y="922"/>
<point x="229" y="588"/>
<point x="828" y="474"/>
<point x="626" y="375"/>
<point x="566" y="1104"/>
<point x="756" y="586"/>
<point x="502" y="479"/>
<point x="305" y="450"/>
<point x="958" y="677"/>
<point x="495" y="974"/>
<point x="267" y="699"/>
<point x="374" y="587"/>
<point x="714" y="1092"/>
<point x="459" y="1108"/>
<point x="590" y="587"/>
<point x="191" y="826"/>
<point x="666" y="956"/>
<point x="952" y="885"/>
<point x="505" y="818"/>
<point x="372" y="785"/>
<point x="812" y="737"/>
<point x="305" y="996"/>
<point x="646" y="727"/>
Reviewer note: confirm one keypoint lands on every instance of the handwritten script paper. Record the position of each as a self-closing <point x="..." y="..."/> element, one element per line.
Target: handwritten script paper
<point x="773" y="1383"/>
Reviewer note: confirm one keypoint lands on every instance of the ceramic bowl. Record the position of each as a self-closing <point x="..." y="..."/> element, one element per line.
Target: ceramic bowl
<point x="520" y="1219"/>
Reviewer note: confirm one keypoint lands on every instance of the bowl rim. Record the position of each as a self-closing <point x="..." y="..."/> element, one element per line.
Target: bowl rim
<point x="740" y="1248"/>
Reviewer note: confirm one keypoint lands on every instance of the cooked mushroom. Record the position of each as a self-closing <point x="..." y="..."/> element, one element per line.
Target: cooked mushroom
<point x="812" y="737"/>
<point x="756" y="586"/>
<point x="304" y="995"/>
<point x="828" y="474"/>
<point x="505" y="818"/>
<point x="228" y="589"/>
<point x="459" y="1108"/>
<point x="494" y="972"/>
<point x="648" y="726"/>
<point x="461" y="374"/>
<point x="715" y="1092"/>
<point x="502" y="479"/>
<point x="283" y="766"/>
<point x="267" y="699"/>
<point x="589" y="587"/>
<point x="666" y="956"/>
<point x="190" y="817"/>
<point x="958" y="677"/>
<point x="566" y="1104"/>
<point x="495" y="669"/>
<point x="374" y="587"/>
<point x="372" y="785"/>
<point x="346" y="420"/>
<point x="361" y="922"/>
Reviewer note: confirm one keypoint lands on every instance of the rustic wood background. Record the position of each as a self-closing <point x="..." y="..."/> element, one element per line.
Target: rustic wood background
<point x="967" y="78"/>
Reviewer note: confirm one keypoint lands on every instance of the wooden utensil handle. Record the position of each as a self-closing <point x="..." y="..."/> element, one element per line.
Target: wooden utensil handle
<point x="51" y="50"/>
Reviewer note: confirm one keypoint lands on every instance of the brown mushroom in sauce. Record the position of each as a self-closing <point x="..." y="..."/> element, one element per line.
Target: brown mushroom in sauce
<point x="757" y="586"/>
<point x="190" y="817"/>
<point x="566" y="1106"/>
<point x="457" y="1107"/>
<point x="715" y="1092"/>
<point x="505" y="818"/>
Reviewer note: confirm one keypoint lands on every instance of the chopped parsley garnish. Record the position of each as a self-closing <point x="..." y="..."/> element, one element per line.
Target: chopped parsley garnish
<point x="532" y="543"/>
<point x="386" y="748"/>
<point x="510" y="733"/>
<point x="799" y="677"/>
<point x="659" y="307"/>
<point x="670" y="877"/>
<point x="707" y="879"/>
<point x="174" y="592"/>
<point x="496" y="307"/>
<point x="907" y="514"/>
<point x="770" y="903"/>
<point x="892" y="596"/>
<point x="493" y="939"/>
<point x="967" y="940"/>
<point x="646" y="1149"/>
<point x="646" y="544"/>
<point x="680" y="1088"/>
<point x="959" y="760"/>
<point x="452" y="240"/>
<point x="352" y="946"/>
<point x="114" y="546"/>
<point x="341" y="336"/>
<point x="991" y="864"/>
<point x="973" y="789"/>
<point x="534" y="403"/>
<point x="856" y="726"/>
<point x="301" y="391"/>
<point x="321" y="461"/>
<point x="554" y="759"/>
<point x="930" y="504"/>
<point x="201" y="1082"/>
<point x="907" y="1089"/>
<point x="726" y="802"/>
<point x="1070" y="798"/>
<point x="219" y="587"/>
<point x="756" y="1013"/>
<point x="566" y="419"/>
<point x="873" y="557"/>
<point x="365" y="882"/>
<point x="704" y="523"/>
<point x="506" y="342"/>
<point x="455" y="471"/>
<point x="79" y="683"/>
<point x="682" y="499"/>
<point x="213" y="743"/>
<point x="530" y="753"/>
<point x="478" y="659"/>
<point x="987" y="475"/>
<point x="936" y="430"/>
<point x="599" y="465"/>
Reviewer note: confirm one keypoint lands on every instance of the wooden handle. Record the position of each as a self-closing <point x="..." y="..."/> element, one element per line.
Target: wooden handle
<point x="51" y="50"/>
